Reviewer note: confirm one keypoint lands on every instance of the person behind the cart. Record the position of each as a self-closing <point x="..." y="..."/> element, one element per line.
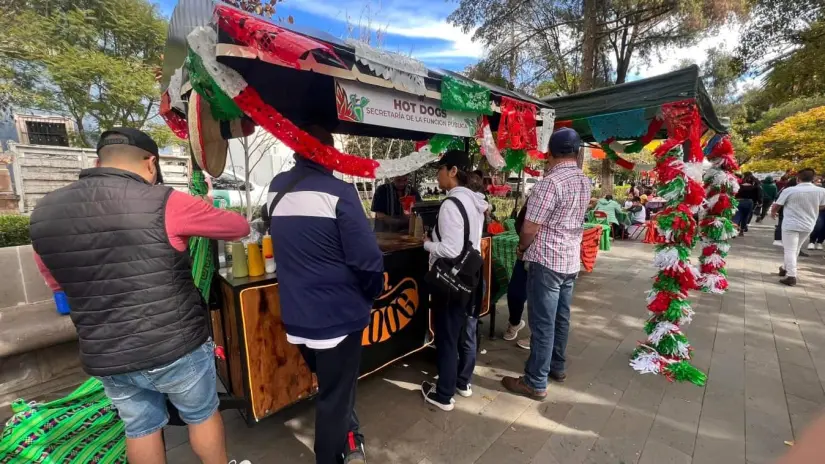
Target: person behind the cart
<point x="330" y="270"/>
<point x="115" y="243"/>
<point x="455" y="317"/>
<point x="390" y="215"/>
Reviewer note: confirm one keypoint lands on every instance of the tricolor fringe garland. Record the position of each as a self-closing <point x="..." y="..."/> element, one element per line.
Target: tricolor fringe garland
<point x="715" y="227"/>
<point x="667" y="350"/>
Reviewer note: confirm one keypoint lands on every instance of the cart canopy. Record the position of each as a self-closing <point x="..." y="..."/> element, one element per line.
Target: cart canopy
<point x="648" y="94"/>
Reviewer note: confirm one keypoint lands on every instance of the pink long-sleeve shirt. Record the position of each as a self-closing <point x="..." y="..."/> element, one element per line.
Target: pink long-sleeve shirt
<point x="186" y="216"/>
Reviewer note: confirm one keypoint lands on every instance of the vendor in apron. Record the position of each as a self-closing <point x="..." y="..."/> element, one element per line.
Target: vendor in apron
<point x="388" y="207"/>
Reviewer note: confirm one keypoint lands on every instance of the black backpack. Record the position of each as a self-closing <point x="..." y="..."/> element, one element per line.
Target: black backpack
<point x="457" y="277"/>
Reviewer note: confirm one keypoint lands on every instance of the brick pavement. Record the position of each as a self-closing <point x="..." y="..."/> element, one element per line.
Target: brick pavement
<point x="762" y="344"/>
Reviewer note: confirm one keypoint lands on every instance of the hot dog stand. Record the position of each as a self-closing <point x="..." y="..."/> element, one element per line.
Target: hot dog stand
<point x="312" y="78"/>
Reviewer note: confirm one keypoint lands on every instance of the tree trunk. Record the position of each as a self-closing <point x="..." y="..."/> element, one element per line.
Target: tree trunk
<point x="589" y="44"/>
<point x="606" y="173"/>
<point x="606" y="176"/>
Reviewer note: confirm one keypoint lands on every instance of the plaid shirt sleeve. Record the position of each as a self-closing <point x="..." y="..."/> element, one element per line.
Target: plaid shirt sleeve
<point x="541" y="202"/>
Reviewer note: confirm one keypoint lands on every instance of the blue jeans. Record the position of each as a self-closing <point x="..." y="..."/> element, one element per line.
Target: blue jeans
<point x="517" y="292"/>
<point x="189" y="382"/>
<point x="549" y="295"/>
<point x="743" y="214"/>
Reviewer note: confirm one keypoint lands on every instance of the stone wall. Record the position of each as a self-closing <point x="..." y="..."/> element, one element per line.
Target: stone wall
<point x="38" y="348"/>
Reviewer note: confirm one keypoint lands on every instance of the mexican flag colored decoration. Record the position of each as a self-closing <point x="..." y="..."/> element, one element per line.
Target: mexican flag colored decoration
<point x="716" y="228"/>
<point x="666" y="350"/>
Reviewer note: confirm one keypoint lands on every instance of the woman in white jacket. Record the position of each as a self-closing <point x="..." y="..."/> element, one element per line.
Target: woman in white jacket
<point x="455" y="326"/>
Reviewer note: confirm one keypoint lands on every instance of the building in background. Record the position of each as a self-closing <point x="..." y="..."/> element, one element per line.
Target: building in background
<point x="44" y="130"/>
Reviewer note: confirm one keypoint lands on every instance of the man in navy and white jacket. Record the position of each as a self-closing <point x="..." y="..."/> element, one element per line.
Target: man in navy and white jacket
<point x="330" y="270"/>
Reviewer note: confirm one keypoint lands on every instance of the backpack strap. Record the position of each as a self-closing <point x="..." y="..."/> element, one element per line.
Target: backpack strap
<point x="464" y="218"/>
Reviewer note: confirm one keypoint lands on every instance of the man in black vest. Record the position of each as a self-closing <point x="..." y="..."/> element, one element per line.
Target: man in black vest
<point x="115" y="243"/>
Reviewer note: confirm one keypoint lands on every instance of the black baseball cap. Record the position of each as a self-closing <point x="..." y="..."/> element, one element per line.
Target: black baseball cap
<point x="134" y="138"/>
<point x="565" y="141"/>
<point x="455" y="158"/>
<point x="128" y="136"/>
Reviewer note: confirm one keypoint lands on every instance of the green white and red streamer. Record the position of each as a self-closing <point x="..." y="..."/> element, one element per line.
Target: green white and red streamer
<point x="666" y="350"/>
<point x="716" y="228"/>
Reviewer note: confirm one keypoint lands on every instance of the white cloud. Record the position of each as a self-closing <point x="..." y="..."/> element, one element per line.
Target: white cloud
<point x="669" y="58"/>
<point x="404" y="19"/>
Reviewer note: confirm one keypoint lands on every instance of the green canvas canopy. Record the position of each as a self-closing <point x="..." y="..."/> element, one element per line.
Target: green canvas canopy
<point x="648" y="94"/>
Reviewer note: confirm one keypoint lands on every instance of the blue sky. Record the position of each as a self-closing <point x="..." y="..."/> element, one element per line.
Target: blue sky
<point x="414" y="27"/>
<point x="420" y="28"/>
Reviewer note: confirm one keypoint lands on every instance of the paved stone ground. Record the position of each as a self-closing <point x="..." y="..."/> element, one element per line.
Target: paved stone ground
<point x="762" y="344"/>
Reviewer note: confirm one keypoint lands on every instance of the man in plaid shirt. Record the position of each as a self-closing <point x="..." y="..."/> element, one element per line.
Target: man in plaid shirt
<point x="550" y="242"/>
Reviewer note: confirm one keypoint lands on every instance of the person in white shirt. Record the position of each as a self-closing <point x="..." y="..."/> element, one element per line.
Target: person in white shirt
<point x="800" y="209"/>
<point x="455" y="321"/>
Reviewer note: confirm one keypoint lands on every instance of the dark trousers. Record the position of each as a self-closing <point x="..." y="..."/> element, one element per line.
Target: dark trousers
<point x="337" y="371"/>
<point x="467" y="348"/>
<point x="777" y="231"/>
<point x="455" y="345"/>
<point x="743" y="214"/>
<point x="765" y="209"/>
<point x="517" y="292"/>
<point x="818" y="235"/>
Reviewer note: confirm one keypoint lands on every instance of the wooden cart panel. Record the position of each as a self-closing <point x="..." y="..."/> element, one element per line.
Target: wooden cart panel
<point x="278" y="375"/>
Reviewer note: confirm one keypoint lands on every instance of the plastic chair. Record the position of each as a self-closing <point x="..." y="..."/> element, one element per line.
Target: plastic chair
<point x="639" y="229"/>
<point x="600" y="217"/>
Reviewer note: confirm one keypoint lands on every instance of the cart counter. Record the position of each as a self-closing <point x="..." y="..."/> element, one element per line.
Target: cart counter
<point x="268" y="373"/>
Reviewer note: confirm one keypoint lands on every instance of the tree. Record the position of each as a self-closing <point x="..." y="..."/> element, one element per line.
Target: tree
<point x="557" y="37"/>
<point x="91" y="60"/>
<point x="785" y="40"/>
<point x="794" y="143"/>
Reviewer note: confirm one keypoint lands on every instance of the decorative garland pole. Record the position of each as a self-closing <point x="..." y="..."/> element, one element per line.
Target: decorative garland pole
<point x="716" y="227"/>
<point x="666" y="350"/>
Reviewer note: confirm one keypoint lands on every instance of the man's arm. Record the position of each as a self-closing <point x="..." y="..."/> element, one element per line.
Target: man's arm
<point x="775" y="210"/>
<point x="539" y="206"/>
<point x="780" y="202"/>
<point x="527" y="236"/>
<point x="188" y="216"/>
<point x="47" y="275"/>
<point x="361" y="252"/>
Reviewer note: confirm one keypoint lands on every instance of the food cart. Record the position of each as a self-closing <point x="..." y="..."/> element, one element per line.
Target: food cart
<point x="282" y="77"/>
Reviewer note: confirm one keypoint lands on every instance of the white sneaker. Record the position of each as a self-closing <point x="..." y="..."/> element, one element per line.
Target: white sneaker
<point x="428" y="392"/>
<point x="465" y="393"/>
<point x="245" y="461"/>
<point x="811" y="246"/>
<point x="524" y="343"/>
<point x="777" y="243"/>
<point x="512" y="331"/>
<point x="818" y="246"/>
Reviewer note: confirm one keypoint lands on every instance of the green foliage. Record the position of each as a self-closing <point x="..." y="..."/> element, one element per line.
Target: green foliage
<point x="164" y="136"/>
<point x="786" y="39"/>
<point x="14" y="230"/>
<point x="794" y="143"/>
<point x="619" y="192"/>
<point x="543" y="38"/>
<point x="779" y="113"/>
<point x="93" y="61"/>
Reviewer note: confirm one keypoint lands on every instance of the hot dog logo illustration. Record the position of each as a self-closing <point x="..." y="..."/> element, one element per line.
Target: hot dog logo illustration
<point x="392" y="311"/>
